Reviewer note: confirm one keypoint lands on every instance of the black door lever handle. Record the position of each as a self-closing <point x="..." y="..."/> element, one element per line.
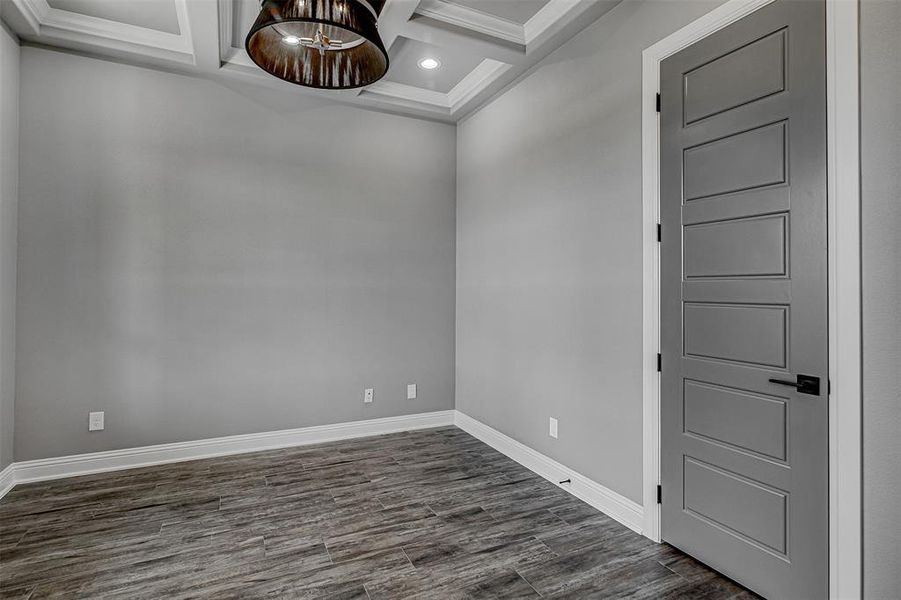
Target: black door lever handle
<point x="806" y="384"/>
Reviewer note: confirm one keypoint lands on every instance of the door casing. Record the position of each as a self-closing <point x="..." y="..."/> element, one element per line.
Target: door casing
<point x="843" y="207"/>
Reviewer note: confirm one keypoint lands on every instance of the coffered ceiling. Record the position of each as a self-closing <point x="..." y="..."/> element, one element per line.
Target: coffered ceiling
<point x="481" y="45"/>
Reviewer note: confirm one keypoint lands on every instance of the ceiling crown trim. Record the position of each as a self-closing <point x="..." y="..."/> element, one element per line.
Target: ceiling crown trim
<point x="206" y="43"/>
<point x="55" y="25"/>
<point x="472" y="19"/>
<point x="468" y="88"/>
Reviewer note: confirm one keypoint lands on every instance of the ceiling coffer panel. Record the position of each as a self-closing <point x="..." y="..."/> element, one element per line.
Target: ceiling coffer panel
<point x="159" y="15"/>
<point x="448" y="57"/>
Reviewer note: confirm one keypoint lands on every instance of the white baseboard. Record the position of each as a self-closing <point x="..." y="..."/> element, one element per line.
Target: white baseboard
<point x="622" y="509"/>
<point x="616" y="506"/>
<point x="7" y="479"/>
<point x="130" y="458"/>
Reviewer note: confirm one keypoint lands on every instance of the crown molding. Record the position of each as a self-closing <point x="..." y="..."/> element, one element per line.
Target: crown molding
<point x="472" y="19"/>
<point x="48" y="24"/>
<point x="409" y="93"/>
<point x="205" y="45"/>
<point x="555" y="13"/>
<point x="23" y="16"/>
<point x="227" y="52"/>
<point x="486" y="73"/>
<point x="463" y="92"/>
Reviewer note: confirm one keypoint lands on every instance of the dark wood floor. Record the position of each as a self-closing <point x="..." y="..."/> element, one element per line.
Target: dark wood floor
<point x="427" y="514"/>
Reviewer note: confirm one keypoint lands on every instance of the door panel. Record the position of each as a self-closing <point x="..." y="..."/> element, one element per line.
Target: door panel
<point x="756" y="335"/>
<point x="746" y="247"/>
<point x="743" y="420"/>
<point x="750" y="73"/>
<point x="741" y="506"/>
<point x="740" y="162"/>
<point x="743" y="280"/>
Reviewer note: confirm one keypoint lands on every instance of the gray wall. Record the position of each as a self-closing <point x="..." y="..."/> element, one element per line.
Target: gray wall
<point x="9" y="177"/>
<point x="880" y="45"/>
<point x="198" y="260"/>
<point x="549" y="249"/>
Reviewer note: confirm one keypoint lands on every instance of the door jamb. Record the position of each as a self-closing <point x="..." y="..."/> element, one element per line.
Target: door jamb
<point x="844" y="290"/>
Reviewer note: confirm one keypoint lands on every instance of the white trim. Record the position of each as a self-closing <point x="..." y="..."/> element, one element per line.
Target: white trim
<point x="25" y="14"/>
<point x="73" y="27"/>
<point x="226" y="19"/>
<point x="618" y="507"/>
<point x="845" y="402"/>
<point x="465" y="90"/>
<point x="395" y="14"/>
<point x="7" y="479"/>
<point x="459" y="15"/>
<point x="475" y="81"/>
<point x="555" y="12"/>
<point x="410" y="93"/>
<point x="199" y="24"/>
<point x="130" y="458"/>
<point x="844" y="277"/>
<point x="612" y="504"/>
<point x="204" y="43"/>
<point x="87" y="25"/>
<point x="228" y="52"/>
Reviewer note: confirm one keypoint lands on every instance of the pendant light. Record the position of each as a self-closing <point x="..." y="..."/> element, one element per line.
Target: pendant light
<point x="326" y="44"/>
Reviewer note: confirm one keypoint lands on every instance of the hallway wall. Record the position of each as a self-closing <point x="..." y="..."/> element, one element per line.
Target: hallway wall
<point x="549" y="249"/>
<point x="9" y="199"/>
<point x="880" y="120"/>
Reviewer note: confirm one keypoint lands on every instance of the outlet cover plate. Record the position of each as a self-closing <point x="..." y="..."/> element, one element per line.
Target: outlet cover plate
<point x="368" y="395"/>
<point x="411" y="391"/>
<point x="552" y="428"/>
<point x="95" y="421"/>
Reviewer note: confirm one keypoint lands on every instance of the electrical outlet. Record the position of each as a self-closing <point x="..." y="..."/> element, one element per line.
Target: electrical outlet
<point x="411" y="391"/>
<point x="552" y="428"/>
<point x="368" y="394"/>
<point x="95" y="421"/>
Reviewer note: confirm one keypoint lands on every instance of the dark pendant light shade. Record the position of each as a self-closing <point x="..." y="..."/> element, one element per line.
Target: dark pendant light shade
<point x="327" y="44"/>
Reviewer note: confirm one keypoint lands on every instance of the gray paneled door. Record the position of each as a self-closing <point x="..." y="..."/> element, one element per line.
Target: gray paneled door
<point x="744" y="300"/>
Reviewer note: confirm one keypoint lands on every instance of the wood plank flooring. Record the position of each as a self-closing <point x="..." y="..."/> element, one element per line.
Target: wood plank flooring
<point x="425" y="514"/>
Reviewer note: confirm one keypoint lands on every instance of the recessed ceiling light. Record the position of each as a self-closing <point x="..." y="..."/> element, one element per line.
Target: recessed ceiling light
<point x="429" y="64"/>
<point x="291" y="40"/>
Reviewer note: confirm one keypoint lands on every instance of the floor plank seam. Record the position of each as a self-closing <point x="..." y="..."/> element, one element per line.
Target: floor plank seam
<point x="521" y="576"/>
<point x="327" y="551"/>
<point x="404" y="550"/>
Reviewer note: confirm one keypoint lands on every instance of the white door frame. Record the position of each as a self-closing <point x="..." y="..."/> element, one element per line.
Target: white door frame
<point x="843" y="205"/>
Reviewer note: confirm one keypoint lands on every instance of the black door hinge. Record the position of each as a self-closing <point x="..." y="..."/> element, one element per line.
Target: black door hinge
<point x="658" y="102"/>
<point x="659" y="362"/>
<point x="659" y="232"/>
<point x="659" y="494"/>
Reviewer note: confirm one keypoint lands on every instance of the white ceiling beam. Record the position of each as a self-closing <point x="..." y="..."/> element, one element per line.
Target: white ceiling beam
<point x="36" y="20"/>
<point x="386" y="103"/>
<point x="393" y="18"/>
<point x="472" y="19"/>
<point x="439" y="33"/>
<point x="199" y="21"/>
<point x="23" y="16"/>
<point x="557" y="15"/>
<point x="470" y="86"/>
<point x="409" y="93"/>
<point x="204" y="45"/>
